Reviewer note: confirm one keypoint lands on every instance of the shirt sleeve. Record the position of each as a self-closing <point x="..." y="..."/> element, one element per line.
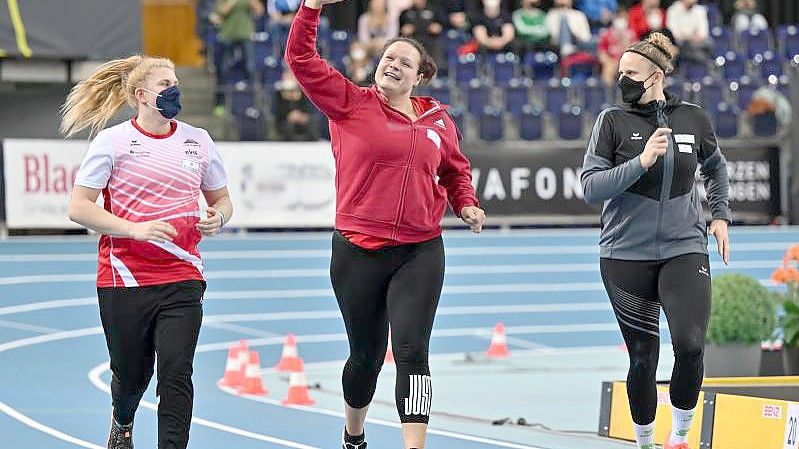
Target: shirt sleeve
<point x="95" y="170"/>
<point x="215" y="177"/>
<point x="602" y="180"/>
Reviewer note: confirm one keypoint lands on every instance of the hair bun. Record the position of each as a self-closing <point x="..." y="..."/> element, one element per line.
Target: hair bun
<point x="661" y="42"/>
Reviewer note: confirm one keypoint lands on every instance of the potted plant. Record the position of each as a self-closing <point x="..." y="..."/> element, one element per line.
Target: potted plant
<point x="788" y="275"/>
<point x="743" y="314"/>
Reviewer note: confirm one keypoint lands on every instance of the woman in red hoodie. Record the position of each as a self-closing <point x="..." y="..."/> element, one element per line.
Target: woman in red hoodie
<point x="398" y="161"/>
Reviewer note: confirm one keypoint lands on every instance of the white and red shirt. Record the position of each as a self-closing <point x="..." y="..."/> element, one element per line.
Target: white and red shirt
<point x="147" y="177"/>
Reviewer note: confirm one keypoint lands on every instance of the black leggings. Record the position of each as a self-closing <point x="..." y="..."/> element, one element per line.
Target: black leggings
<point x="400" y="285"/>
<point x="637" y="289"/>
<point x="140" y="322"/>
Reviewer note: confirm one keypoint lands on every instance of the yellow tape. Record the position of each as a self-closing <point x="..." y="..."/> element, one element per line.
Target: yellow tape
<point x="19" y="29"/>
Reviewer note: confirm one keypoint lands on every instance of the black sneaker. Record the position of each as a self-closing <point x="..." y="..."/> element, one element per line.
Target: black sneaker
<point x="121" y="437"/>
<point x="348" y="445"/>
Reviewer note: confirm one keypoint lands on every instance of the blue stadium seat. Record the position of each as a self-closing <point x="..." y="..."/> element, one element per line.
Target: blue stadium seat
<point x="517" y="96"/>
<point x="710" y="95"/>
<point x="477" y="97"/>
<point x="770" y="63"/>
<point x="503" y="68"/>
<point x="582" y="71"/>
<point x="695" y="71"/>
<point x="340" y="41"/>
<point x="540" y="65"/>
<point x="556" y="96"/>
<point x="570" y="124"/>
<point x="252" y="126"/>
<point x="765" y="125"/>
<point x="789" y="36"/>
<point x="439" y="91"/>
<point x="242" y="97"/>
<point x="733" y="66"/>
<point x="466" y="69"/>
<point x="459" y="117"/>
<point x="594" y="96"/>
<point x="271" y="70"/>
<point x="726" y="121"/>
<point x="263" y="47"/>
<point x="756" y="42"/>
<point x="722" y="40"/>
<point x="744" y="90"/>
<point x="491" y="125"/>
<point x="531" y="124"/>
<point x="714" y="16"/>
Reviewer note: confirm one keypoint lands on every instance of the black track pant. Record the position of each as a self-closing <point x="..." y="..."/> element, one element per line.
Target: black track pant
<point x="637" y="290"/>
<point x="400" y="285"/>
<point x="140" y="322"/>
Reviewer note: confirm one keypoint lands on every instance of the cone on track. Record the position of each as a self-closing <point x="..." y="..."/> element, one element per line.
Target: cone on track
<point x="389" y="351"/>
<point x="252" y="377"/>
<point x="298" y="389"/>
<point x="289" y="359"/>
<point x="499" y="343"/>
<point x="234" y="371"/>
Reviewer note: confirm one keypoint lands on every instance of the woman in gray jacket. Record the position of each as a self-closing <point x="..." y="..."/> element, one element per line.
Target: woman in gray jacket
<point x="641" y="162"/>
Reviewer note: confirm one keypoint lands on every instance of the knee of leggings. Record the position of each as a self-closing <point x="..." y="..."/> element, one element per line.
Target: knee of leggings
<point x="643" y="362"/>
<point x="689" y="349"/>
<point x="364" y="365"/>
<point x="412" y="356"/>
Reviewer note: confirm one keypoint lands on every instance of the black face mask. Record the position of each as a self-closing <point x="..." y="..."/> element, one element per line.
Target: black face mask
<point x="632" y="90"/>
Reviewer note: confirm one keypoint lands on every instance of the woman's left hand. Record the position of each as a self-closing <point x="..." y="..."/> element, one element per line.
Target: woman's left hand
<point x="212" y="224"/>
<point x="718" y="229"/>
<point x="474" y="217"/>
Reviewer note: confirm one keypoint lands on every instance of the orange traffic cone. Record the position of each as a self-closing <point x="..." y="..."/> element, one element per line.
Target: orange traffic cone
<point x="298" y="389"/>
<point x="252" y="377"/>
<point x="289" y="359"/>
<point x="234" y="372"/>
<point x="389" y="351"/>
<point x="499" y="343"/>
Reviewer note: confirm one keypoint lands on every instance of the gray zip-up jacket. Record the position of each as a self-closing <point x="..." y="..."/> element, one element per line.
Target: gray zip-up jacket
<point x="654" y="214"/>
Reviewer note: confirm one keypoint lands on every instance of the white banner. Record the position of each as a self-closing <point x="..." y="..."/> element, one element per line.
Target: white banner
<point x="39" y="174"/>
<point x="280" y="184"/>
<point x="271" y="184"/>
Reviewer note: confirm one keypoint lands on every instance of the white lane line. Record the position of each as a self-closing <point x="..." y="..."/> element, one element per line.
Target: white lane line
<point x="45" y="305"/>
<point x="27" y="327"/>
<point x="220" y="324"/>
<point x="94" y="378"/>
<point x="325" y="253"/>
<point x="10" y="411"/>
<point x="324" y="272"/>
<point x="442" y="311"/>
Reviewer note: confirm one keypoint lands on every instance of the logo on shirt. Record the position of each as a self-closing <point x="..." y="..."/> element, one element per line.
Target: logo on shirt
<point x="191" y="142"/>
<point x="703" y="270"/>
<point x="440" y="122"/>
<point x="636" y="136"/>
<point x="192" y="153"/>
<point x="434" y="137"/>
<point x="135" y="149"/>
<point x="191" y="165"/>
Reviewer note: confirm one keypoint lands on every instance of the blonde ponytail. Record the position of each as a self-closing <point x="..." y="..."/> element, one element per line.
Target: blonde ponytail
<point x="93" y="101"/>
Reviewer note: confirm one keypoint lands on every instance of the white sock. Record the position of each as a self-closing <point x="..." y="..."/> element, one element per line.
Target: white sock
<point x="645" y="435"/>
<point x="681" y="421"/>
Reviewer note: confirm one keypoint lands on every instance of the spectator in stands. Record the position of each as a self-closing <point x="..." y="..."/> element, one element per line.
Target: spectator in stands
<point x="747" y="18"/>
<point x="281" y="14"/>
<point x="457" y="14"/>
<point x="689" y="25"/>
<point x="376" y="27"/>
<point x="493" y="28"/>
<point x="646" y="17"/>
<point x="531" y="28"/>
<point x="236" y="22"/>
<point x="359" y="65"/>
<point x="599" y="12"/>
<point x="293" y="110"/>
<point x="425" y="23"/>
<point x="613" y="41"/>
<point x="568" y="27"/>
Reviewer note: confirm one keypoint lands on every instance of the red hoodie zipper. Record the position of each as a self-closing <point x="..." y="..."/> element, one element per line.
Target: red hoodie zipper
<point x="408" y="165"/>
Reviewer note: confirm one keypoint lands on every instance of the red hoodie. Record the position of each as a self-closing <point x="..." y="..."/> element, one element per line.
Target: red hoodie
<point x="393" y="175"/>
